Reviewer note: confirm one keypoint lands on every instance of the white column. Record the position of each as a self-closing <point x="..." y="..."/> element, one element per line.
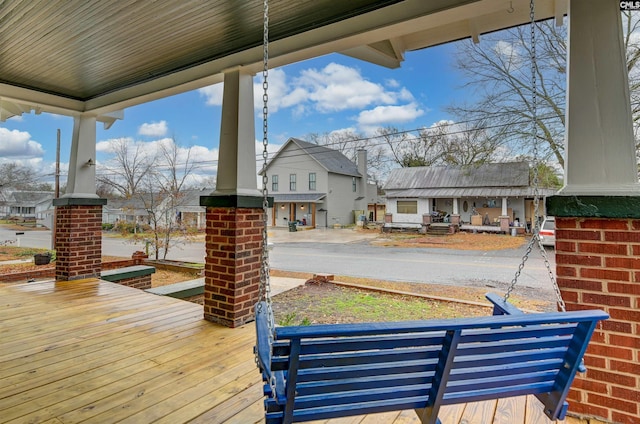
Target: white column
<point x="600" y="157"/>
<point x="455" y="206"/>
<point x="504" y="206"/>
<point x="81" y="182"/>
<point x="237" y="158"/>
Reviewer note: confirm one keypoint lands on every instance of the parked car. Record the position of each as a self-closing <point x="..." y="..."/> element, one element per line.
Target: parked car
<point x="548" y="232"/>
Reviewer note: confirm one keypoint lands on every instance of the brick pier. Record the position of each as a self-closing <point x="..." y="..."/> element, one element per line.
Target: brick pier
<point x="78" y="238"/>
<point x="598" y="267"/>
<point x="232" y="265"/>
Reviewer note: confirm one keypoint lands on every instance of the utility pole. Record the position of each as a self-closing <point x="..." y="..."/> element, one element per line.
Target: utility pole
<point x="56" y="194"/>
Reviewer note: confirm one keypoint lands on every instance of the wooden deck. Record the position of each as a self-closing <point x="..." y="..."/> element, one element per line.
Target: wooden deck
<point x="97" y="352"/>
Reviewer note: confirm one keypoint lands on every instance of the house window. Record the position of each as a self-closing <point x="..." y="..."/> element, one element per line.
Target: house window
<point x="408" y="206"/>
<point x="274" y="183"/>
<point x="312" y="180"/>
<point x="292" y="182"/>
<point x="354" y="186"/>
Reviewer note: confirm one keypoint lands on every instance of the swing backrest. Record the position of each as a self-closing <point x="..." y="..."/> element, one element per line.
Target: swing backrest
<point x="329" y="371"/>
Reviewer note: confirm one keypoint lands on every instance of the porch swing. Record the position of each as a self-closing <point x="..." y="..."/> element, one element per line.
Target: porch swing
<point x="329" y="371"/>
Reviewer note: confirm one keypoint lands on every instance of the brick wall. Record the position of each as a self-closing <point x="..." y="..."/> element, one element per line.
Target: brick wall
<point x="44" y="272"/>
<point x="48" y="271"/>
<point x="232" y="265"/>
<point x="142" y="282"/>
<point x="598" y="267"/>
<point x="79" y="241"/>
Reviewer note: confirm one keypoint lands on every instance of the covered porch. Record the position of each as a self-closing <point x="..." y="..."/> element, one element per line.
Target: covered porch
<point x="94" y="351"/>
<point x="67" y="58"/>
<point x="307" y="210"/>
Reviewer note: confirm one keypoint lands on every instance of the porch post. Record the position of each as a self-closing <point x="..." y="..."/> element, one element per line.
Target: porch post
<point x="273" y="215"/>
<point x="79" y="211"/>
<point x="504" y="218"/>
<point x="598" y="213"/>
<point x="234" y="220"/>
<point x="455" y="216"/>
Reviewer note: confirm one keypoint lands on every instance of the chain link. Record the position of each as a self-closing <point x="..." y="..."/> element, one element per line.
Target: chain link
<point x="265" y="285"/>
<point x="535" y="239"/>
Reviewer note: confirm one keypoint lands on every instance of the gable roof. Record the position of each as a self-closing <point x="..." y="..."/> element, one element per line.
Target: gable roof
<point x="331" y="160"/>
<point x="190" y="199"/>
<point x="491" y="179"/>
<point x="27" y="198"/>
<point x="514" y="174"/>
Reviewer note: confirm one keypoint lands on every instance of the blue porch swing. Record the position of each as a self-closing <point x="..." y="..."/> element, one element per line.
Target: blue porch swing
<point x="329" y="371"/>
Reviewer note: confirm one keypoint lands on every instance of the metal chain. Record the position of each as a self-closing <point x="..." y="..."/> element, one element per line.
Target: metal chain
<point x="265" y="285"/>
<point x="265" y="289"/>
<point x="535" y="239"/>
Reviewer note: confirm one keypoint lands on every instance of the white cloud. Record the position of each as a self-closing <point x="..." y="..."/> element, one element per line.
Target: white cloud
<point x="380" y="116"/>
<point x="213" y="94"/>
<point x="18" y="144"/>
<point x="280" y="94"/>
<point x="334" y="88"/>
<point x="108" y="146"/>
<point x="505" y="49"/>
<point x="153" y="129"/>
<point x="392" y="83"/>
<point x="338" y="87"/>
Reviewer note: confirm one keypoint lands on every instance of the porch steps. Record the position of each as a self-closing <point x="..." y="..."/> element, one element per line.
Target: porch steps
<point x="438" y="229"/>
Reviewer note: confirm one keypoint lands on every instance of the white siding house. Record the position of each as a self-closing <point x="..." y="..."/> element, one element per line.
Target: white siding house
<point x="316" y="186"/>
<point x="456" y="193"/>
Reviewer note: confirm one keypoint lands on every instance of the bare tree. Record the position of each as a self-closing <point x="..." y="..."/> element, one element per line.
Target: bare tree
<point x="14" y="176"/>
<point x="498" y="73"/>
<point x="444" y="142"/>
<point x="472" y="143"/>
<point x="125" y="171"/>
<point x="349" y="142"/>
<point x="163" y="194"/>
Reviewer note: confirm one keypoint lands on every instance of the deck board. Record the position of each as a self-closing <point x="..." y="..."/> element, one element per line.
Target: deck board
<point x="96" y="352"/>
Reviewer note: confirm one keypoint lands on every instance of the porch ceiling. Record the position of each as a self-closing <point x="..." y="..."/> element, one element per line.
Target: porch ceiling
<point x="100" y="56"/>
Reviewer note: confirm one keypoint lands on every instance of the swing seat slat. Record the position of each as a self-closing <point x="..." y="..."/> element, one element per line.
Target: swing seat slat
<point x="330" y="371"/>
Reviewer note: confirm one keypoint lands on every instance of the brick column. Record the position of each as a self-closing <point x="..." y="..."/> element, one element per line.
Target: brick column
<point x="504" y="223"/>
<point x="598" y="267"/>
<point x="233" y="248"/>
<point x="78" y="238"/>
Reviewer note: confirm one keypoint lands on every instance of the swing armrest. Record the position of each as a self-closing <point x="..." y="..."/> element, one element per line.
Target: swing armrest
<point x="263" y="347"/>
<point x="263" y="354"/>
<point x="500" y="307"/>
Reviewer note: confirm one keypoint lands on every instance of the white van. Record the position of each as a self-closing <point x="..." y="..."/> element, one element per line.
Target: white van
<point x="548" y="232"/>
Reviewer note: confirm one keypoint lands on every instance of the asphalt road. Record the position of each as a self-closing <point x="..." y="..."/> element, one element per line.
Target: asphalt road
<point x="346" y="252"/>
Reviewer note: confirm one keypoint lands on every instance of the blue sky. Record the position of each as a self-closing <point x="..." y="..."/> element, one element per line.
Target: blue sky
<point x="326" y="94"/>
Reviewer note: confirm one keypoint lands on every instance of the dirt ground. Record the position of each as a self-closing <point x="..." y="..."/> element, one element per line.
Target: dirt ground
<point x="460" y="241"/>
<point x="323" y="303"/>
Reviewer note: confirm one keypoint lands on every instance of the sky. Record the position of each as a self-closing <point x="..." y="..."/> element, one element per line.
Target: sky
<point x="321" y="95"/>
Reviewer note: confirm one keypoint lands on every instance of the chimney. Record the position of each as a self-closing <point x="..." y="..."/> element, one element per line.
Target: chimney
<point x="362" y="169"/>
